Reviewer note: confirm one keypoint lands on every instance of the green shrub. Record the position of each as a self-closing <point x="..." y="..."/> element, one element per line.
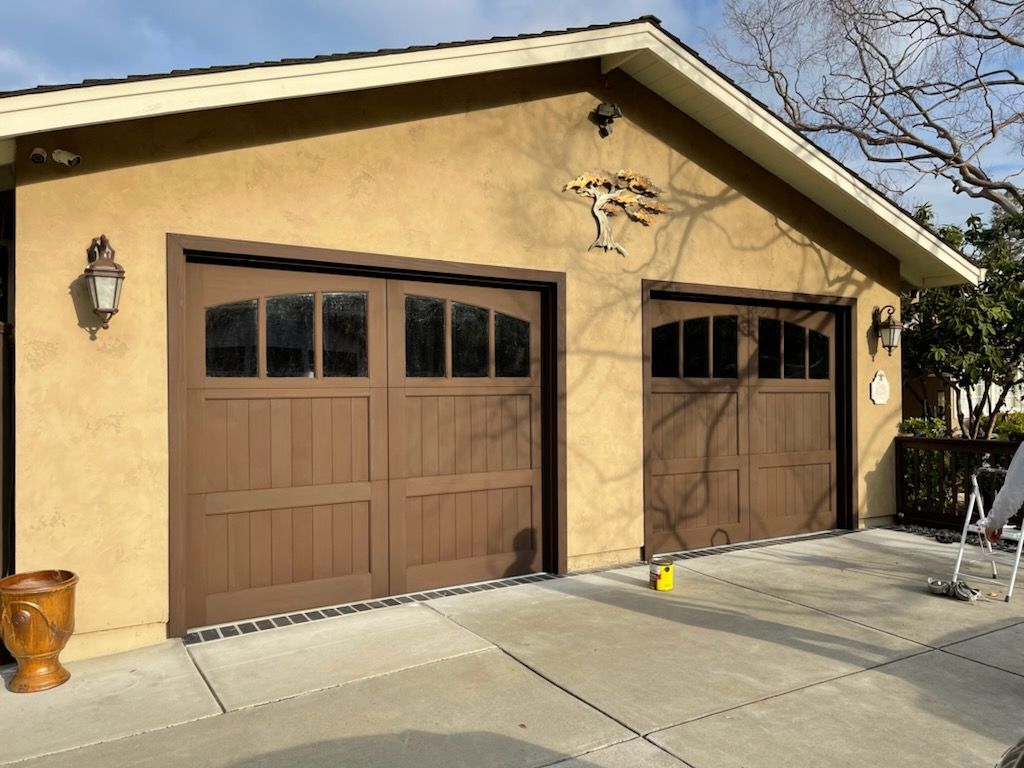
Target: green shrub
<point x="1010" y="427"/>
<point x="922" y="427"/>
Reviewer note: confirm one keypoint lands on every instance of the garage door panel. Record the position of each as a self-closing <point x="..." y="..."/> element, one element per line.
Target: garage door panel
<point x="319" y="472"/>
<point x="277" y="546"/>
<point x="436" y="575"/>
<point x="796" y="498"/>
<point x="692" y="424"/>
<point x="791" y="421"/>
<point x="283" y="598"/>
<point x="443" y="437"/>
<point x="465" y="456"/>
<point x="741" y="442"/>
<point x="283" y="513"/>
<point x="699" y="499"/>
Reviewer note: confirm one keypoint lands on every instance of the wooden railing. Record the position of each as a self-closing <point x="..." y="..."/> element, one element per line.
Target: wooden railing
<point x="933" y="477"/>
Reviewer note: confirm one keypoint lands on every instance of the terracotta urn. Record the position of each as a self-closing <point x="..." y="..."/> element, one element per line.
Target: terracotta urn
<point x="37" y="616"/>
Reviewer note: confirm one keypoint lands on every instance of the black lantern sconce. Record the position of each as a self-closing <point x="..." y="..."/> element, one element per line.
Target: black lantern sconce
<point x="104" y="276"/>
<point x="604" y="115"/>
<point x="888" y="329"/>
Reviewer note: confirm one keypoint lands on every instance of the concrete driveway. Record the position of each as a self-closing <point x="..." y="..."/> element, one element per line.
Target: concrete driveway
<point x="825" y="651"/>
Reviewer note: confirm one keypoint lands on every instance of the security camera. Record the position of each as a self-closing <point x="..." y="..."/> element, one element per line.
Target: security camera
<point x="38" y="155"/>
<point x="62" y="156"/>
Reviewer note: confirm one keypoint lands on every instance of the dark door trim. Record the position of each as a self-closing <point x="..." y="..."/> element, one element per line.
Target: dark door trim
<point x="550" y="286"/>
<point x="845" y="313"/>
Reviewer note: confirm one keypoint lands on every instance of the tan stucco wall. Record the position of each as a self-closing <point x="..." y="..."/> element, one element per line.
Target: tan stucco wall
<point x="468" y="171"/>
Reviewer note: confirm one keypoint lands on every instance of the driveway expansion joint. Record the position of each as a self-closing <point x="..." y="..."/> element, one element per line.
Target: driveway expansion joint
<point x="779" y="694"/>
<point x="823" y="612"/>
<point x="542" y="676"/>
<point x="206" y="681"/>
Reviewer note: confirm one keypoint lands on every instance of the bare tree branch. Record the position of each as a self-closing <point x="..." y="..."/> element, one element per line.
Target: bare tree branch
<point x="918" y="87"/>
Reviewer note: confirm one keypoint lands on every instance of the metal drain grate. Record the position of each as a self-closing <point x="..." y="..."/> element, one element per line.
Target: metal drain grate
<point x="223" y="631"/>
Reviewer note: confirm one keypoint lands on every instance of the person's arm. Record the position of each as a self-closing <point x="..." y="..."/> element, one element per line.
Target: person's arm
<point x="1009" y="499"/>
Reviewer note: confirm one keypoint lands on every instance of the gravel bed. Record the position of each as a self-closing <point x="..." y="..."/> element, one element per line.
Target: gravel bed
<point x="947" y="536"/>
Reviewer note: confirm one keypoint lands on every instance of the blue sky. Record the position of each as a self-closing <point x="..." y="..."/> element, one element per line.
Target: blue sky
<point x="69" y="40"/>
<point x="62" y="41"/>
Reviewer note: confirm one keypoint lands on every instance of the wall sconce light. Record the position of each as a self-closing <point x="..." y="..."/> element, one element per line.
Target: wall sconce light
<point x="604" y="115"/>
<point x="104" y="276"/>
<point x="888" y="329"/>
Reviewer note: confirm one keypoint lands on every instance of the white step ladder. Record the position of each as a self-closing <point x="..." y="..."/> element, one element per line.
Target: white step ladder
<point x="1010" y="532"/>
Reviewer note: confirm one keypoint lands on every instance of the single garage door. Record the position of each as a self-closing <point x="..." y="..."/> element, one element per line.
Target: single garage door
<point x="740" y="422"/>
<point x="350" y="437"/>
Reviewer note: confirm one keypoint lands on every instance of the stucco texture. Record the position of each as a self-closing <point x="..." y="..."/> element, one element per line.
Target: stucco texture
<point x="469" y="170"/>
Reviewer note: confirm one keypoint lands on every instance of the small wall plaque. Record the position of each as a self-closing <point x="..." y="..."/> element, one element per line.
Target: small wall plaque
<point x="879" y="389"/>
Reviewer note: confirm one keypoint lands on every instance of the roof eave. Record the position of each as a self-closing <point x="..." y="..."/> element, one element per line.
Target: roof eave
<point x="707" y="96"/>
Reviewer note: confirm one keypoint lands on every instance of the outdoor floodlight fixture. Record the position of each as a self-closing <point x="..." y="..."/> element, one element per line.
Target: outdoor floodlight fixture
<point x="888" y="329"/>
<point x="104" y="276"/>
<point x="604" y="115"/>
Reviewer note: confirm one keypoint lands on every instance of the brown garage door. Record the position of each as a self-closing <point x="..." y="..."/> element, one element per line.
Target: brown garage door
<point x="740" y="422"/>
<point x="352" y="437"/>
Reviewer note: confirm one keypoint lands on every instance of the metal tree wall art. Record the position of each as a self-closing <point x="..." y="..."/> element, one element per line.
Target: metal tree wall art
<point x="615" y="193"/>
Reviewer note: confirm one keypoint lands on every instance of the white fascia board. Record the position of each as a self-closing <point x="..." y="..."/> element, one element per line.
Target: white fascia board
<point x="798" y="161"/>
<point x="89" y="105"/>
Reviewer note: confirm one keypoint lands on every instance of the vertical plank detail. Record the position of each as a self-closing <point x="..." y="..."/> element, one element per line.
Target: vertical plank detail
<point x="446" y="527"/>
<point x="237" y="445"/>
<point x="214" y="445"/>
<point x="281" y="556"/>
<point x="342" y="539"/>
<point x="238" y="551"/>
<point x="360" y="439"/>
<point x="302" y="442"/>
<point x="302" y="544"/>
<point x="260" y="548"/>
<point x="341" y="412"/>
<point x="216" y="554"/>
<point x="259" y="444"/>
<point x="323" y="543"/>
<point x="323" y="442"/>
<point x="361" y="537"/>
<point x="280" y="443"/>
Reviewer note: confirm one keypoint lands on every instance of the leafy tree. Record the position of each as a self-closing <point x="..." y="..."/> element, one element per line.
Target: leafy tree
<point x="918" y="87"/>
<point x="971" y="335"/>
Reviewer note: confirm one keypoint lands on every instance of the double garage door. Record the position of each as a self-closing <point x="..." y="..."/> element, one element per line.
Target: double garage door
<point x="352" y="437"/>
<point x="741" y="423"/>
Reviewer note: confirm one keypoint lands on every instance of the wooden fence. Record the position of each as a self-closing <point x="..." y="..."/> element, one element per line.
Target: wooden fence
<point x="933" y="477"/>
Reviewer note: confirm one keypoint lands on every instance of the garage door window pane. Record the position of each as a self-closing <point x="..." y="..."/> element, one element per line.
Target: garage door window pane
<point x="769" y="348"/>
<point x="424" y="337"/>
<point x="511" y="346"/>
<point x="231" y="333"/>
<point x="818" y="354"/>
<point x="794" y="340"/>
<point x="345" y="334"/>
<point x="665" y="351"/>
<point x="470" y="340"/>
<point x="696" y="351"/>
<point x="290" y="335"/>
<point x="724" y="346"/>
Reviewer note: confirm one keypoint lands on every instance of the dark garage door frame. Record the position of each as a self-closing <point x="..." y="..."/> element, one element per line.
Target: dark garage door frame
<point x="844" y="311"/>
<point x="550" y="285"/>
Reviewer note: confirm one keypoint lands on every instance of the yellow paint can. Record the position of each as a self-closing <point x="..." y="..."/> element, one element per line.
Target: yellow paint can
<point x="661" y="574"/>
